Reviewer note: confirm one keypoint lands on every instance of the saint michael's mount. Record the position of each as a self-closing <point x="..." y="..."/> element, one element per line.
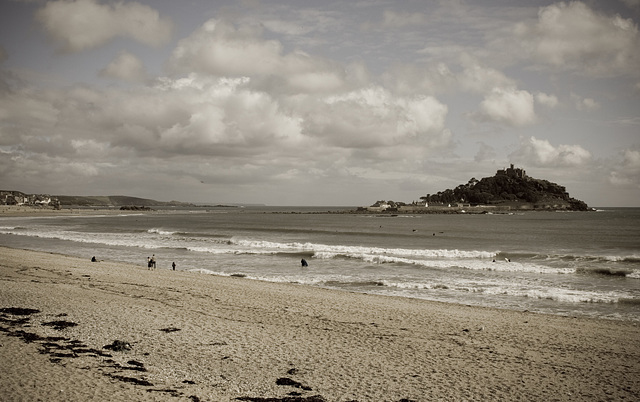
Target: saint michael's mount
<point x="508" y="190"/>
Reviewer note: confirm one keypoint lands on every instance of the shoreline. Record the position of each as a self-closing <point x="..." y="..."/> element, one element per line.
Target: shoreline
<point x="26" y="211"/>
<point x="215" y="338"/>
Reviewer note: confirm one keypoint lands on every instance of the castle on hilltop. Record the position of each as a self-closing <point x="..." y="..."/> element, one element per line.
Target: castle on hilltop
<point x="512" y="172"/>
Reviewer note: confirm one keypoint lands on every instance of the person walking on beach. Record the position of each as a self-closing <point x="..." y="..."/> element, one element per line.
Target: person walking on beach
<point x="173" y="265"/>
<point x="148" y="262"/>
<point x="153" y="261"/>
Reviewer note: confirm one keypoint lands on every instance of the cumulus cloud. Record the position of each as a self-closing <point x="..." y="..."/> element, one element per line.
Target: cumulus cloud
<point x="125" y="67"/>
<point x="479" y="78"/>
<point x="535" y="152"/>
<point x="203" y="125"/>
<point x="584" y="104"/>
<point x="372" y="117"/>
<point x="85" y="24"/>
<point x="485" y="152"/>
<point x="627" y="171"/>
<point x="413" y="78"/>
<point x="220" y="48"/>
<point x="571" y="36"/>
<point x="508" y="106"/>
<point x="549" y="101"/>
<point x="471" y="76"/>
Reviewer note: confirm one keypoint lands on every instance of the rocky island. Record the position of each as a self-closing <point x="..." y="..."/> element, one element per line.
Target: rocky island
<point x="509" y="189"/>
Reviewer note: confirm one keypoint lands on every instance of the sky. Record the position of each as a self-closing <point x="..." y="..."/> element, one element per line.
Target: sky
<point x="336" y="103"/>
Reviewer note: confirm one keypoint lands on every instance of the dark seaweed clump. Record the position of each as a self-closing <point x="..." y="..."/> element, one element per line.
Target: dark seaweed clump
<point x="18" y="311"/>
<point x="118" y="346"/>
<point x="60" y="324"/>
<point x="170" y="329"/>
<point x="13" y="320"/>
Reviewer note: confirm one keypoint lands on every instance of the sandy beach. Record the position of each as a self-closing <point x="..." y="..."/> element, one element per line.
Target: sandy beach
<point x="76" y="330"/>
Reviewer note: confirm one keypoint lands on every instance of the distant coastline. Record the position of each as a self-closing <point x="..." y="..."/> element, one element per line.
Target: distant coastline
<point x="508" y="191"/>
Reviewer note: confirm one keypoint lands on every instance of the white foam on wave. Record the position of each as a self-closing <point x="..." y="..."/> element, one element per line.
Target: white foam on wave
<point x="508" y="289"/>
<point x="109" y="239"/>
<point x="161" y="232"/>
<point x="432" y="258"/>
<point x="206" y="271"/>
<point x="560" y="295"/>
<point x="489" y="288"/>
<point x="331" y="251"/>
<point x="462" y="263"/>
<point x="220" y="251"/>
<point x="635" y="274"/>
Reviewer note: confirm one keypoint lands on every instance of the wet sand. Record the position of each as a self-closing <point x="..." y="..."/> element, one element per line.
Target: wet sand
<point x="71" y="329"/>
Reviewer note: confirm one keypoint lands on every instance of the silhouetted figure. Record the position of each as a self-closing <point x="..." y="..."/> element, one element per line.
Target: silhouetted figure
<point x="304" y="263"/>
<point x="173" y="265"/>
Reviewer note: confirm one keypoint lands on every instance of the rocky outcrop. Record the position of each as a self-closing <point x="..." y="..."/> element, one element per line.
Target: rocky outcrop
<point x="509" y="187"/>
<point x="135" y="208"/>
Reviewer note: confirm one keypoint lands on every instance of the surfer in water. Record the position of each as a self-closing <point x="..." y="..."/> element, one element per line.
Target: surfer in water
<point x="304" y="263"/>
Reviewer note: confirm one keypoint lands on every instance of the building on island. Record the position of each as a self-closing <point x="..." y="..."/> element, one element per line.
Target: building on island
<point x="512" y="172"/>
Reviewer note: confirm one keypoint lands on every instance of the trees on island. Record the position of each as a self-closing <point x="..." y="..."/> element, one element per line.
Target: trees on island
<point x="504" y="188"/>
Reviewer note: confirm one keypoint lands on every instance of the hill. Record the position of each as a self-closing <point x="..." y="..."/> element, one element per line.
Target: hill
<point x="509" y="187"/>
<point x="114" y="201"/>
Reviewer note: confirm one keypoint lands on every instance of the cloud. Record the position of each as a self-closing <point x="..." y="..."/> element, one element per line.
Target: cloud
<point x="395" y="19"/>
<point x="584" y="104"/>
<point x="433" y="78"/>
<point x="627" y="171"/>
<point x="478" y="78"/>
<point x="508" y="106"/>
<point x="372" y="117"/>
<point x="125" y="67"/>
<point x="549" y="101"/>
<point x="217" y="129"/>
<point x="535" y="152"/>
<point x="85" y="24"/>
<point x="633" y="4"/>
<point x="573" y="37"/>
<point x="219" y="48"/>
<point x="415" y="78"/>
<point x="485" y="152"/>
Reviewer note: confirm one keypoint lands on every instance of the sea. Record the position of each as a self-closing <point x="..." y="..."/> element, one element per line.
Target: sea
<point x="564" y="263"/>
